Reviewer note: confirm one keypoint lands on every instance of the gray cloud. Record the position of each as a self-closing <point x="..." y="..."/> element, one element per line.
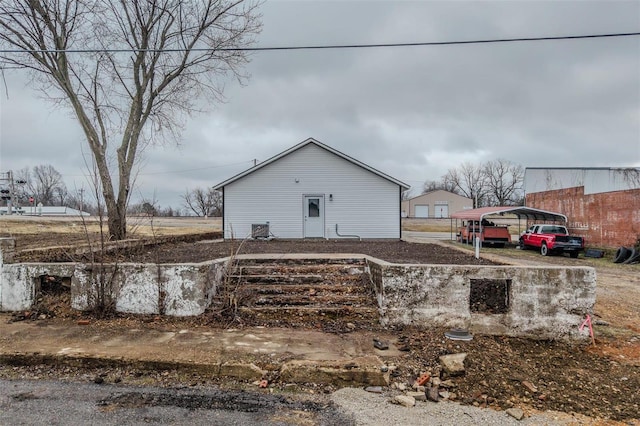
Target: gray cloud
<point x="410" y="112"/>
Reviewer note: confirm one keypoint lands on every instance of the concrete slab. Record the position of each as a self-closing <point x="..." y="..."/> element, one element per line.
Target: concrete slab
<point x="257" y="348"/>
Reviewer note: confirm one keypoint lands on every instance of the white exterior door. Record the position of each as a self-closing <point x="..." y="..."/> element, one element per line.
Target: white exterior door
<point x="441" y="210"/>
<point x="422" y="210"/>
<point x="313" y="216"/>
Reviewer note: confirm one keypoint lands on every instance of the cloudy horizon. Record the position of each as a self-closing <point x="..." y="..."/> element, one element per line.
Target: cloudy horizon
<point x="410" y="112"/>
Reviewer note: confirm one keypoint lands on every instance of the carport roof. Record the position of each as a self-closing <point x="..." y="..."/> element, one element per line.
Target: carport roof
<point x="520" y="211"/>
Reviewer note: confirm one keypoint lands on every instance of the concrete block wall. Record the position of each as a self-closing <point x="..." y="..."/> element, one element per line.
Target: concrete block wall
<point x="607" y="219"/>
<point x="549" y="302"/>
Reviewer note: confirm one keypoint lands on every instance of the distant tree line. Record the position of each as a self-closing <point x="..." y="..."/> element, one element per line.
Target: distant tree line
<point x="494" y="183"/>
<point x="44" y="184"/>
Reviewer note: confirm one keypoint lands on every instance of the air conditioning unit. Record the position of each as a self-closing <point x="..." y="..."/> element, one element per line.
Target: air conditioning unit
<point x="260" y="230"/>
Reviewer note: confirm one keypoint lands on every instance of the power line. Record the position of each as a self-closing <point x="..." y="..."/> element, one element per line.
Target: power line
<point x="334" y="46"/>
<point x="177" y="171"/>
<point x="196" y="169"/>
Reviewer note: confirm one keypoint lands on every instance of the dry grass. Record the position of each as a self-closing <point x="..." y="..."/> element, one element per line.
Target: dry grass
<point x="445" y="225"/>
<point x="425" y="227"/>
<point x="75" y="229"/>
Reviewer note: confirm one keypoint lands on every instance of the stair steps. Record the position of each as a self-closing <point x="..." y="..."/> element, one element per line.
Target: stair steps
<point x="294" y="291"/>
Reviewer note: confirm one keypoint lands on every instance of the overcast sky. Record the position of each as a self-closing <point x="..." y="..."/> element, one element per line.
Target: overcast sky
<point x="411" y="112"/>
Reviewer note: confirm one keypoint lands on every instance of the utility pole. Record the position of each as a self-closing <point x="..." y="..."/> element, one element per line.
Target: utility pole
<point x="81" y="191"/>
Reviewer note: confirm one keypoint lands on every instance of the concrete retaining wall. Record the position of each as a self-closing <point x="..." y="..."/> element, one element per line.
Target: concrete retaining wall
<point x="177" y="290"/>
<point x="18" y="282"/>
<point x="545" y="302"/>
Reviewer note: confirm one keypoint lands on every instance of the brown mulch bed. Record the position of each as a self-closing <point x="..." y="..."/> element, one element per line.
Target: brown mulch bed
<point x="190" y="250"/>
<point x="391" y="251"/>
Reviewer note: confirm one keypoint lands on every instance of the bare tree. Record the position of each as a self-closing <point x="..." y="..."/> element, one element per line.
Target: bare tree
<point x="443" y="184"/>
<point x="631" y="175"/>
<point x="503" y="181"/>
<point x="129" y="70"/>
<point x="81" y="202"/>
<point x="48" y="185"/>
<point x="44" y="183"/>
<point x="167" y="212"/>
<point x="468" y="180"/>
<point x="203" y="202"/>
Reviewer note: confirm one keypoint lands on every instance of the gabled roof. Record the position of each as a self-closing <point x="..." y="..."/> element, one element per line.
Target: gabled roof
<point x="301" y="145"/>
<point x="520" y="211"/>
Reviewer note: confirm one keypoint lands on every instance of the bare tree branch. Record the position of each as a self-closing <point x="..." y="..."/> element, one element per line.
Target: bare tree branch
<point x="504" y="181"/>
<point x="443" y="184"/>
<point x="468" y="180"/>
<point x="203" y="202"/>
<point x="125" y="101"/>
<point x="44" y="183"/>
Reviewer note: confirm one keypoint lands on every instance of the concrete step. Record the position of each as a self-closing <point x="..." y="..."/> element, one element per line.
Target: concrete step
<point x="333" y="311"/>
<point x="316" y="269"/>
<point x="318" y="301"/>
<point x="326" y="318"/>
<point x="277" y="279"/>
<point x="302" y="261"/>
<point x="268" y="280"/>
<point x="311" y="290"/>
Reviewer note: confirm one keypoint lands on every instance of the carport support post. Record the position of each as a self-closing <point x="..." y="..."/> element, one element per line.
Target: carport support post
<point x="478" y="239"/>
<point x="451" y="227"/>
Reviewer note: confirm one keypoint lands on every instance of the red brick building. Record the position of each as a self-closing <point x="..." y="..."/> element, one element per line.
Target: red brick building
<point x="601" y="204"/>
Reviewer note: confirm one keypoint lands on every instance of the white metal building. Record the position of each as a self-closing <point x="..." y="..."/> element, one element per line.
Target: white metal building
<point x="595" y="180"/>
<point x="435" y="204"/>
<point x="44" y="211"/>
<point x="312" y="191"/>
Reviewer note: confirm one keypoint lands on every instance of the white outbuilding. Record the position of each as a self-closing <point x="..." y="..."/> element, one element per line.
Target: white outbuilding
<point x="312" y="191"/>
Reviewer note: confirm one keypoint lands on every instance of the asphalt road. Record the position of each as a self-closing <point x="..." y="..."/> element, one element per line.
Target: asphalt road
<point x="60" y="403"/>
<point x="24" y="402"/>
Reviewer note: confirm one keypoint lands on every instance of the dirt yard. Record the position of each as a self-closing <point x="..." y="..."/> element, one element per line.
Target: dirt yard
<point x="601" y="381"/>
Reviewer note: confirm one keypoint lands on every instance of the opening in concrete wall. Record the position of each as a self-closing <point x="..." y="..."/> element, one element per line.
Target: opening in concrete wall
<point x="489" y="296"/>
<point x="52" y="285"/>
<point x="52" y="295"/>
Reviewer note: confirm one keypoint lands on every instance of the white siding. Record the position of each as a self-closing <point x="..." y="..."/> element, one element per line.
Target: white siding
<point x="363" y="203"/>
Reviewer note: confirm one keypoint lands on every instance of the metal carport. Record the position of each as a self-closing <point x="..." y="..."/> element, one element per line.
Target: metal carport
<point x="520" y="211"/>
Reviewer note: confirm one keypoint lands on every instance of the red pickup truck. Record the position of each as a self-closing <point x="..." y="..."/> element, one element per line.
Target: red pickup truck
<point x="489" y="233"/>
<point x="550" y="239"/>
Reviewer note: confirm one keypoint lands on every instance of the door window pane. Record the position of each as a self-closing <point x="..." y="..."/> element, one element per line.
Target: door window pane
<point x="314" y="207"/>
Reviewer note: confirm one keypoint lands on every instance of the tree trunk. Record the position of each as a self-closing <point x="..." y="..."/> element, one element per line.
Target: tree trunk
<point x="117" y="225"/>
